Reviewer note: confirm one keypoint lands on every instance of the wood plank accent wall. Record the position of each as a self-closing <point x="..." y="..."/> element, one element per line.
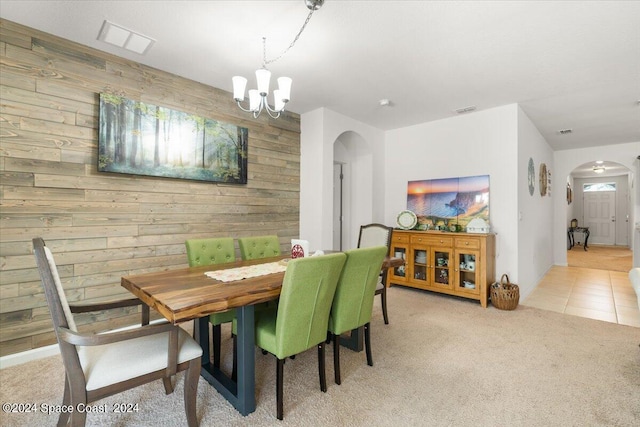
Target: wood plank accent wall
<point x="102" y="226"/>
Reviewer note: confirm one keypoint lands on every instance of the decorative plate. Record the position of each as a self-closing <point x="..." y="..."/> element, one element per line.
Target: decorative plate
<point x="406" y="220"/>
<point x="532" y="177"/>
<point x="543" y="179"/>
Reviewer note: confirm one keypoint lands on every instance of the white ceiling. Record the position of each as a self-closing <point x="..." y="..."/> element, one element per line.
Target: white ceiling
<point x="569" y="64"/>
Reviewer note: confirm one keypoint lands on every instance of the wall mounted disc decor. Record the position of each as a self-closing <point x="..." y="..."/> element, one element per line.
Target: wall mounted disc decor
<point x="532" y="177"/>
<point x="543" y="179"/>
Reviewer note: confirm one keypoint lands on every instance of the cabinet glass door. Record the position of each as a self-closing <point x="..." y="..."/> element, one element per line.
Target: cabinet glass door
<point x="467" y="278"/>
<point x="399" y="252"/>
<point x="420" y="264"/>
<point x="441" y="270"/>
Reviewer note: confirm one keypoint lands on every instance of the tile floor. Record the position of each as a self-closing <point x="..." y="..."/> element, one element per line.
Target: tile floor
<point x="586" y="292"/>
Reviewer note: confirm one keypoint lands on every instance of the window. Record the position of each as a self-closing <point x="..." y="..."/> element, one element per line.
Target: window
<point x="599" y="186"/>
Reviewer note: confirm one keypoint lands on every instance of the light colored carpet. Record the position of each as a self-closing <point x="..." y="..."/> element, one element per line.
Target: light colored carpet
<point x="442" y="361"/>
<point x="614" y="258"/>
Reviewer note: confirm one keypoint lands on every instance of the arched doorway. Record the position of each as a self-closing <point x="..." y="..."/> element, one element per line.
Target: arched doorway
<point x="601" y="201"/>
<point x="598" y="196"/>
<point x="352" y="188"/>
<point x="565" y="162"/>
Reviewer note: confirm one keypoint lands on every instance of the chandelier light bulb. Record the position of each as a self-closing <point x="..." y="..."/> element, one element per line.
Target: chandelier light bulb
<point x="254" y="100"/>
<point x="239" y="85"/>
<point x="284" y="85"/>
<point x="278" y="102"/>
<point x="263" y="77"/>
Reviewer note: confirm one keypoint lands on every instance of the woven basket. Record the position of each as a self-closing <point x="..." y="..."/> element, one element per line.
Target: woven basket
<point x="504" y="294"/>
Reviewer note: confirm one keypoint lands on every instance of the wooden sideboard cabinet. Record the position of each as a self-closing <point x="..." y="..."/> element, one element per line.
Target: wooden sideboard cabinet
<point x="461" y="264"/>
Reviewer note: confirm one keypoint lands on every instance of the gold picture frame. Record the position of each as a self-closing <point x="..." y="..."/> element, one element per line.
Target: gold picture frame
<point x="543" y="179"/>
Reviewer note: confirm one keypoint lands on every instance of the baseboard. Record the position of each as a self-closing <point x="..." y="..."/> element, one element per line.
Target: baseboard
<point x="29" y="355"/>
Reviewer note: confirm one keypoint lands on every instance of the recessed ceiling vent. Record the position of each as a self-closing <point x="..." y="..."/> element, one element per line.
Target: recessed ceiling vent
<point x="119" y="36"/>
<point x="565" y="131"/>
<point x="468" y="109"/>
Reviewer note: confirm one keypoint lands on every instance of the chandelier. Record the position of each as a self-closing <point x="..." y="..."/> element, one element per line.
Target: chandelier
<point x="258" y="97"/>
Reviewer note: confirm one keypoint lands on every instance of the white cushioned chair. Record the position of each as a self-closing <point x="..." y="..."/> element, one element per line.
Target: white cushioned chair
<point x="101" y="365"/>
<point x="377" y="235"/>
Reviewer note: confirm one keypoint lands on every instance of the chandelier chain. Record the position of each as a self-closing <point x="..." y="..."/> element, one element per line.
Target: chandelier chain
<point x="264" y="43"/>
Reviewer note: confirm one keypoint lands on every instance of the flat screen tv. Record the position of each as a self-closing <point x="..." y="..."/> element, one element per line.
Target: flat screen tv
<point x="441" y="202"/>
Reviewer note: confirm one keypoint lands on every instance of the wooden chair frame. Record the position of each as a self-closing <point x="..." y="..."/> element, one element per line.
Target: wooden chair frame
<point x="75" y="390"/>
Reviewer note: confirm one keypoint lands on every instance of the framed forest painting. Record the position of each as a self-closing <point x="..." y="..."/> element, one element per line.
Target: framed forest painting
<point x="143" y="139"/>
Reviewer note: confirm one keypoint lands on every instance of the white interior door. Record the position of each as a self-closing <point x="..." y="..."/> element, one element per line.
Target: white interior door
<point x="600" y="216"/>
<point x="337" y="207"/>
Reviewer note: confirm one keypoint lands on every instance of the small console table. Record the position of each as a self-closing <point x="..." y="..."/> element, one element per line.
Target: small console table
<point x="584" y="230"/>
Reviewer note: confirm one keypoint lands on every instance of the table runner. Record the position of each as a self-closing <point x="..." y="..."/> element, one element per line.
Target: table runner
<point x="239" y="273"/>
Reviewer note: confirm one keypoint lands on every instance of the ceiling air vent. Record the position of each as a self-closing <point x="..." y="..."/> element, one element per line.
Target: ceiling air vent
<point x="119" y="36"/>
<point x="466" y="109"/>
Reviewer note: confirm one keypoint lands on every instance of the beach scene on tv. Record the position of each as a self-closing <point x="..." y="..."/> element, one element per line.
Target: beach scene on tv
<point x="442" y="203"/>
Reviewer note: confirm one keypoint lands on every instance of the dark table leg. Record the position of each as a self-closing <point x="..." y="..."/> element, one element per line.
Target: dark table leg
<point x="355" y="341"/>
<point x="201" y="335"/>
<point x="570" y="236"/>
<point x="586" y="239"/>
<point x="240" y="394"/>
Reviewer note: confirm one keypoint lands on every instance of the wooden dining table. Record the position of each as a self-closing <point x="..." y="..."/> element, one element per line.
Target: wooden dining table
<point x="185" y="294"/>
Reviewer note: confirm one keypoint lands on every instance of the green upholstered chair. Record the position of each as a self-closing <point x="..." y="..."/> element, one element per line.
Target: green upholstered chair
<point x="209" y="252"/>
<point x="353" y="301"/>
<point x="300" y="320"/>
<point x="377" y="235"/>
<point x="257" y="247"/>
